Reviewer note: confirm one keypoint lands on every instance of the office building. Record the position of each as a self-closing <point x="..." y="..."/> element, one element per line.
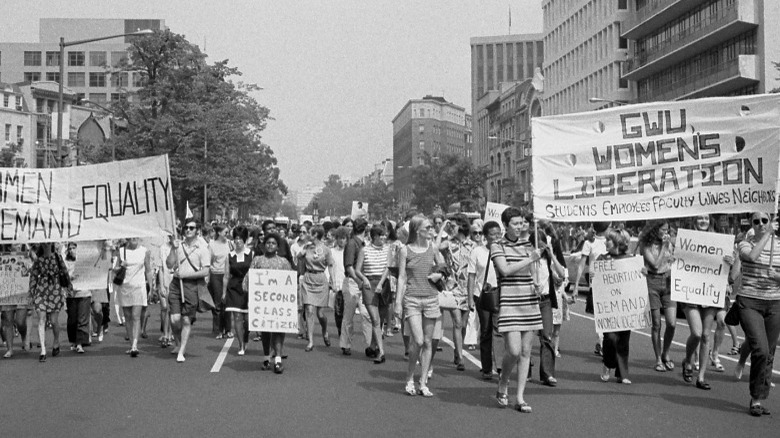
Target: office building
<point x="494" y="60"/>
<point x="431" y="126"/>
<point x="583" y="54"/>
<point x="91" y="70"/>
<point x="691" y="49"/>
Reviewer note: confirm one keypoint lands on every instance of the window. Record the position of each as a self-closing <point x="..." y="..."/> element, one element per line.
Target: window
<point x="97" y="97"/>
<point x="118" y="80"/>
<point x="138" y="79"/>
<point x="97" y="59"/>
<point x="422" y="129"/>
<point x="53" y="76"/>
<point x="118" y="97"/>
<point x="76" y="80"/>
<point x="6" y="98"/>
<point x="76" y="59"/>
<point x="118" y="58"/>
<point x="97" y="79"/>
<point x="32" y="76"/>
<point x="32" y="59"/>
<point x="422" y="144"/>
<point x="7" y="132"/>
<point x="52" y="59"/>
<point x="19" y="136"/>
<point x="622" y="4"/>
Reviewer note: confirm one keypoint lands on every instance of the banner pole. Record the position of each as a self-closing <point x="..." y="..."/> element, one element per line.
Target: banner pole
<point x="173" y="227"/>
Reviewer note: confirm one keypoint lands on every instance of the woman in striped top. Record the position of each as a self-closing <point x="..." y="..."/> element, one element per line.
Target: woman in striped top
<point x="374" y="263"/>
<point x="419" y="298"/>
<point x="519" y="318"/>
<point x="758" y="302"/>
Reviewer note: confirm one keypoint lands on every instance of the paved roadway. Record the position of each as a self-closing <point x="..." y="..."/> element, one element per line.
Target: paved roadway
<point x="106" y="393"/>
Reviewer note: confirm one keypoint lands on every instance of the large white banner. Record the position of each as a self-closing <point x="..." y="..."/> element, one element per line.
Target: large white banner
<point x="131" y="198"/>
<point x="660" y="159"/>
<point x="620" y="299"/>
<point x="93" y="261"/>
<point x="273" y="301"/>
<point x="699" y="273"/>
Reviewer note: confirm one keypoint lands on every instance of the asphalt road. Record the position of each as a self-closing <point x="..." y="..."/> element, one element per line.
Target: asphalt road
<point x="106" y="393"/>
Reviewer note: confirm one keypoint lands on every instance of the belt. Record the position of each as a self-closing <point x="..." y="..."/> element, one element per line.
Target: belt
<point x="315" y="272"/>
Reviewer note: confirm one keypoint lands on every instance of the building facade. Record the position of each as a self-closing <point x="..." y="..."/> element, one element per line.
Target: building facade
<point x="91" y="70"/>
<point x="427" y="127"/>
<point x="584" y="54"/>
<point x="495" y="60"/>
<point x="691" y="49"/>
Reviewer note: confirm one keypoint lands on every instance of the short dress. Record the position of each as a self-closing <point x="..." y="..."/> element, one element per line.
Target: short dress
<point x="132" y="291"/>
<point x="519" y="303"/>
<point x="314" y="286"/>
<point x="46" y="294"/>
<point x="236" y="300"/>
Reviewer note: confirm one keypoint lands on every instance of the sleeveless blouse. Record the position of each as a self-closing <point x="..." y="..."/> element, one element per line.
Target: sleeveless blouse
<point x="418" y="267"/>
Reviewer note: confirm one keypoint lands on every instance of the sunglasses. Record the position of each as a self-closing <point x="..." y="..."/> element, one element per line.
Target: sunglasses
<point x="476" y="233"/>
<point x="190" y="227"/>
<point x="763" y="220"/>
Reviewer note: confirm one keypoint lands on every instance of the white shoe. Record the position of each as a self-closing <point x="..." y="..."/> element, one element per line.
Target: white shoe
<point x="241" y="352"/>
<point x="180" y="358"/>
<point x="100" y="336"/>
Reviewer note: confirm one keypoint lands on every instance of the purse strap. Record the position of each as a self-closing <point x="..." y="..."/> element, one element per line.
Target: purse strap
<point x="487" y="269"/>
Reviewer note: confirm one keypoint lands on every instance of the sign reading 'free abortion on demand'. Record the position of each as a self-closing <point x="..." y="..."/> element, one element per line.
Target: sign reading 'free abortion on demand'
<point x="131" y="198"/>
<point x="273" y="301"/>
<point x="660" y="159"/>
<point x="699" y="273"/>
<point x="620" y="300"/>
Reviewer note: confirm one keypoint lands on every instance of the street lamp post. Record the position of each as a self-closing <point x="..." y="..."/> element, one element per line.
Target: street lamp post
<point x="61" y="105"/>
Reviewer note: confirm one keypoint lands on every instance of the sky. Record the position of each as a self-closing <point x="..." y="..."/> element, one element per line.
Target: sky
<point x="334" y="73"/>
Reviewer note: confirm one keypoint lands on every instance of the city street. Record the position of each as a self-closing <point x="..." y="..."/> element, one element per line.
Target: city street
<point x="104" y="392"/>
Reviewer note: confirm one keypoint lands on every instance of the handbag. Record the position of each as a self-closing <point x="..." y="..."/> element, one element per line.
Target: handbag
<point x="732" y="316"/>
<point x="447" y="300"/>
<point x="119" y="275"/>
<point x="489" y="299"/>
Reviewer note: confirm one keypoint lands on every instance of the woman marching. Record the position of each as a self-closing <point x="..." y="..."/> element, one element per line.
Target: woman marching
<point x="47" y="295"/>
<point x="315" y="257"/>
<point x="131" y="294"/>
<point x="758" y="302"/>
<point x="373" y="264"/>
<point x="655" y="245"/>
<point x="701" y="320"/>
<point x="616" y="344"/>
<point x="233" y="295"/>
<point x="418" y="298"/>
<point x="270" y="260"/>
<point x="519" y="318"/>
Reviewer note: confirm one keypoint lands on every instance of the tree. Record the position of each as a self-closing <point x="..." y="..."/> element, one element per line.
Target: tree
<point x="8" y="154"/>
<point x="209" y="126"/>
<point x="444" y="180"/>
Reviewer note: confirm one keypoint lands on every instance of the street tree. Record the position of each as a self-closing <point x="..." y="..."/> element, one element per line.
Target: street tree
<point x="444" y="180"/>
<point x="209" y="125"/>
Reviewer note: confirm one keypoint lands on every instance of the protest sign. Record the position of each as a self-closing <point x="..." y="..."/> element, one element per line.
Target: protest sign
<point x="620" y="300"/>
<point x="699" y="274"/>
<point x="658" y="159"/>
<point x="359" y="210"/>
<point x="91" y="266"/>
<point x="273" y="301"/>
<point x="14" y="279"/>
<point x="131" y="198"/>
<point x="493" y="212"/>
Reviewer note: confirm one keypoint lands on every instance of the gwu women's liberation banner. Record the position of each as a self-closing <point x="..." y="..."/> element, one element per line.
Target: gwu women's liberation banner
<point x="131" y="198"/>
<point x="660" y="159"/>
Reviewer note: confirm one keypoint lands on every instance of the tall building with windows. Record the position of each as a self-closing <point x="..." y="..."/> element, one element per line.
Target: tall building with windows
<point x="496" y="60"/>
<point x="431" y="126"/>
<point x="690" y="49"/>
<point x="90" y="69"/>
<point x="584" y="53"/>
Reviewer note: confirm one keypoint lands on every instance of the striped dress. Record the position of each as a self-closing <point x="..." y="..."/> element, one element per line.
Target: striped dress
<point x="756" y="282"/>
<point x="519" y="303"/>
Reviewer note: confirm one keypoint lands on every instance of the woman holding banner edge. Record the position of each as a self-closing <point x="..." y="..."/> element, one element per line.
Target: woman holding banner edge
<point x="758" y="302"/>
<point x="701" y="320"/>
<point x="616" y="344"/>
<point x="655" y="245"/>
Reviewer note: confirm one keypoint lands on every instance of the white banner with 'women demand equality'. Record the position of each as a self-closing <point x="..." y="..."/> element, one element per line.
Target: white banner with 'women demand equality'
<point x="131" y="198"/>
<point x="660" y="159"/>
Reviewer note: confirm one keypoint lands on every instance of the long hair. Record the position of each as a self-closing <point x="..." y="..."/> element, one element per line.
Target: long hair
<point x="651" y="233"/>
<point x="414" y="227"/>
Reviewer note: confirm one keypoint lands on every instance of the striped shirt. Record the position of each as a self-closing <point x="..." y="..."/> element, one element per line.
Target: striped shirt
<point x="756" y="282"/>
<point x="513" y="252"/>
<point x="374" y="261"/>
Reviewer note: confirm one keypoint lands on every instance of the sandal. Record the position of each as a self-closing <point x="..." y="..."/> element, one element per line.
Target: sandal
<point x="669" y="364"/>
<point x="701" y="384"/>
<point x="410" y="389"/>
<point x="326" y="340"/>
<point x="757" y="410"/>
<point x="502" y="398"/>
<point x="424" y="391"/>
<point x="229" y="335"/>
<point x="687" y="372"/>
<point x="734" y="350"/>
<point x="220" y="336"/>
<point x="660" y="367"/>
<point x="523" y="407"/>
<point x="716" y="365"/>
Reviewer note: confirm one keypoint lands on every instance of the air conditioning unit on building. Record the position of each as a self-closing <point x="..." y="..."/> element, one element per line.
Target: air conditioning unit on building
<point x="18" y="107"/>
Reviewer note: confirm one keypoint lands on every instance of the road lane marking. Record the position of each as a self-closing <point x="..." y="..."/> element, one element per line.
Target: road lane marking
<point x="466" y="354"/>
<point x="222" y="356"/>
<point x="679" y="344"/>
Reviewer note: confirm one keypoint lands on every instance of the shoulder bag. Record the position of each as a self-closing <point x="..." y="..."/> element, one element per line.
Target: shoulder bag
<point x="119" y="275"/>
<point x="64" y="277"/>
<point x="489" y="298"/>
